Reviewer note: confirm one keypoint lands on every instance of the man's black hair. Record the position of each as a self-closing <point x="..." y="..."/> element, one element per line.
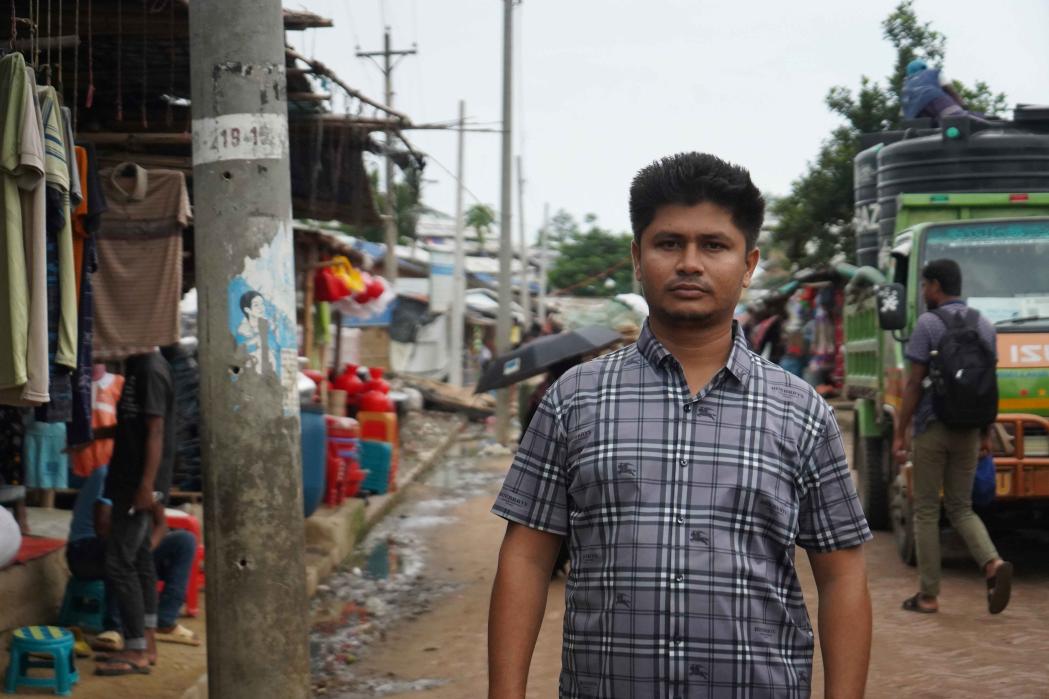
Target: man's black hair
<point x="692" y="178"/>
<point x="947" y="272"/>
<point x="245" y="301"/>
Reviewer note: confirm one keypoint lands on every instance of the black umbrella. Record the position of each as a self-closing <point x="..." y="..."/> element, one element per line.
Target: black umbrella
<point x="538" y="355"/>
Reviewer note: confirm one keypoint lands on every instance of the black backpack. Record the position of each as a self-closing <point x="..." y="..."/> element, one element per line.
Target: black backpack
<point x="963" y="375"/>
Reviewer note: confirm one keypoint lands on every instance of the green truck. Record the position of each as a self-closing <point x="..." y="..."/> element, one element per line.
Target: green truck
<point x="1001" y="242"/>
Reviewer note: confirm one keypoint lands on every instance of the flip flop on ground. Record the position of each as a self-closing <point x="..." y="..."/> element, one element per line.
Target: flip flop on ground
<point x="120" y="667"/>
<point x="999" y="588"/>
<point x="110" y="641"/>
<point x="178" y="634"/>
<point x="914" y="604"/>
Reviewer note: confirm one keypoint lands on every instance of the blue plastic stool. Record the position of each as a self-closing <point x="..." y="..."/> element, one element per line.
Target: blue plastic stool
<point x="84" y="605"/>
<point x="46" y="640"/>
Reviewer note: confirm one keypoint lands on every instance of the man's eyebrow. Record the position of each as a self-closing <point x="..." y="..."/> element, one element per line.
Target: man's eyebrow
<point x="701" y="234"/>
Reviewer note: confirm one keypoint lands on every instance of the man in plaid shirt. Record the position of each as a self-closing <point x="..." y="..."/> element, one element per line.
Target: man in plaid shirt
<point x="684" y="469"/>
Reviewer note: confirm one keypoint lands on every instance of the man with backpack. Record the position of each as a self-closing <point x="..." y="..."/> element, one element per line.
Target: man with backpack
<point x="952" y="397"/>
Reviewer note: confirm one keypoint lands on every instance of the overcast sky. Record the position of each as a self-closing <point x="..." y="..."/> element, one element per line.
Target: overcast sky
<point x="605" y="86"/>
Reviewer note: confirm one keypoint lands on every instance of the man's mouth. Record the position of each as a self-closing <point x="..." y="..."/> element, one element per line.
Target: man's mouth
<point x="689" y="290"/>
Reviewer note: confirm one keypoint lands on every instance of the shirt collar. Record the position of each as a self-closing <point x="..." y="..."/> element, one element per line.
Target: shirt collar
<point x="738" y="363"/>
<point x="138" y="191"/>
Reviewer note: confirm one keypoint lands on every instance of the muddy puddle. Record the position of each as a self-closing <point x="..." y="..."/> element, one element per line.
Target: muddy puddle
<point x="386" y="580"/>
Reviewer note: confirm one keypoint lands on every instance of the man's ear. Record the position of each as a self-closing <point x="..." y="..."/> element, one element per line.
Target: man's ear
<point x="752" y="262"/>
<point x="635" y="255"/>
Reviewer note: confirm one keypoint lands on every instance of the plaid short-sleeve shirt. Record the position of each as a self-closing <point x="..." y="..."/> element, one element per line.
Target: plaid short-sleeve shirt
<point x="682" y="514"/>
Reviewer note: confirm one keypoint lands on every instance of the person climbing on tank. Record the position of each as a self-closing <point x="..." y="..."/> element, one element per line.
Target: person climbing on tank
<point x="927" y="92"/>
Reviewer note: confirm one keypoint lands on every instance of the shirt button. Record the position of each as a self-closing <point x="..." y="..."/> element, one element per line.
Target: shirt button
<point x="683" y="462"/>
<point x="688" y="408"/>
<point x="681" y="519"/>
<point x="680" y="578"/>
<point x="678" y="640"/>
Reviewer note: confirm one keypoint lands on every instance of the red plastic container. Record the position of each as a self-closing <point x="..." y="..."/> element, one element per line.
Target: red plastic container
<point x="350" y="382"/>
<point x="377" y="382"/>
<point x="376" y="402"/>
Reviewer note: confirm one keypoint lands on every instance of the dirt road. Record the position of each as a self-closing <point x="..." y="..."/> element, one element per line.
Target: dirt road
<point x="960" y="652"/>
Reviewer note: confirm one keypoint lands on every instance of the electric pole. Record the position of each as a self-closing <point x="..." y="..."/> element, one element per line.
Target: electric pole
<point x="387" y="66"/>
<point x="459" y="277"/>
<point x="541" y="306"/>
<point x="249" y="402"/>
<point x="506" y="243"/>
<point x="526" y="293"/>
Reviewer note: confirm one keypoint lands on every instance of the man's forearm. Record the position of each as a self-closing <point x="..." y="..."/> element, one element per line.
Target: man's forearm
<point x="845" y="637"/>
<point x="154" y="447"/>
<point x="516" y="614"/>
<point x="912" y="394"/>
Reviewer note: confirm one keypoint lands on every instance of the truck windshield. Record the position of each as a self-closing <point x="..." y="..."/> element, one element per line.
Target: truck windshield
<point x="1003" y="265"/>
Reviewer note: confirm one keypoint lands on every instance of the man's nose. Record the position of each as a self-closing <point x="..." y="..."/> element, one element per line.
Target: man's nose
<point x="691" y="261"/>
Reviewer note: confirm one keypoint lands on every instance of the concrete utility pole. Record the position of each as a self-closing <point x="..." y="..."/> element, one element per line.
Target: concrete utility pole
<point x="526" y="293"/>
<point x="459" y="278"/>
<point x="249" y="402"/>
<point x="387" y="66"/>
<point x="541" y="305"/>
<point x="506" y="243"/>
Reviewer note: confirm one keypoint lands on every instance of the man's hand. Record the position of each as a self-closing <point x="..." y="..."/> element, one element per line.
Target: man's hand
<point x="901" y="446"/>
<point x="986" y="447"/>
<point x="518" y="602"/>
<point x="844" y="620"/>
<point x="143" y="500"/>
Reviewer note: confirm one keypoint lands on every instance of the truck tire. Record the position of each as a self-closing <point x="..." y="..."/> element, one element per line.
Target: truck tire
<point x="902" y="514"/>
<point x="873" y="487"/>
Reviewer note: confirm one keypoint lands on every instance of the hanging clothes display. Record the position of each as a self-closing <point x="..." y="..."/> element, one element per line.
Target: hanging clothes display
<point x="61" y="276"/>
<point x="44" y="457"/>
<point x="23" y="316"/>
<point x="86" y="219"/>
<point x="139" y="245"/>
<point x="105" y="394"/>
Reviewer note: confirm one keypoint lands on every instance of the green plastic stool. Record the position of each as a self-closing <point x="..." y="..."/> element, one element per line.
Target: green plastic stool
<point x="42" y="640"/>
<point x="84" y="605"/>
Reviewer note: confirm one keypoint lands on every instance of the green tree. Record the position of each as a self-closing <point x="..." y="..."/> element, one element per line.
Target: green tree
<point x="407" y="206"/>
<point x="815" y="219"/>
<point x="590" y="256"/>
<point x="480" y="217"/>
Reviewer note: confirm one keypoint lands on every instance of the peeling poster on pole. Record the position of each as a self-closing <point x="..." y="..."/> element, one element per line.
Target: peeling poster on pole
<point x="261" y="313"/>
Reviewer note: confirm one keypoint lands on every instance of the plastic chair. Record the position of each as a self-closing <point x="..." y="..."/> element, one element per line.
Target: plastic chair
<point x="84" y="605"/>
<point x="42" y="640"/>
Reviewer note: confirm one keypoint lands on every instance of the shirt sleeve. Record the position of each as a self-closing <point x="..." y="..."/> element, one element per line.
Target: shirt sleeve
<point x="830" y="516"/>
<point x="535" y="491"/>
<point x="158" y="390"/>
<point x="919" y="347"/>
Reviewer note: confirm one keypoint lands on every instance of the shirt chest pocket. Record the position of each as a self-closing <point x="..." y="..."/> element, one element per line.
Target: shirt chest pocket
<point x="767" y="519"/>
<point x="601" y="477"/>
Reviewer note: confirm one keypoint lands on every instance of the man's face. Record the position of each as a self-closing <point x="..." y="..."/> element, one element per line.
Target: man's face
<point x="693" y="264"/>
<point x="930" y="292"/>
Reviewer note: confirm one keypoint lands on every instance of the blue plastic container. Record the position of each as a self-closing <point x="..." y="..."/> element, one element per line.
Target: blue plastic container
<point x="314" y="455"/>
<point x="375" y="459"/>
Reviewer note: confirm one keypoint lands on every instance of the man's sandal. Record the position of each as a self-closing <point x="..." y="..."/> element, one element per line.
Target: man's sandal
<point x="913" y="604"/>
<point x="999" y="588"/>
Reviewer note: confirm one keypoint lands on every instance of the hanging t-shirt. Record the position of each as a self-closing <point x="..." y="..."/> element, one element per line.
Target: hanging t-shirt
<point x="60" y="221"/>
<point x="14" y="284"/>
<point x="139" y="281"/>
<point x="30" y="166"/>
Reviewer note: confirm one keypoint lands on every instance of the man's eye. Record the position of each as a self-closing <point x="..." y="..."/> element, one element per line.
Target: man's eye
<point x="713" y="245"/>
<point x="667" y="244"/>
